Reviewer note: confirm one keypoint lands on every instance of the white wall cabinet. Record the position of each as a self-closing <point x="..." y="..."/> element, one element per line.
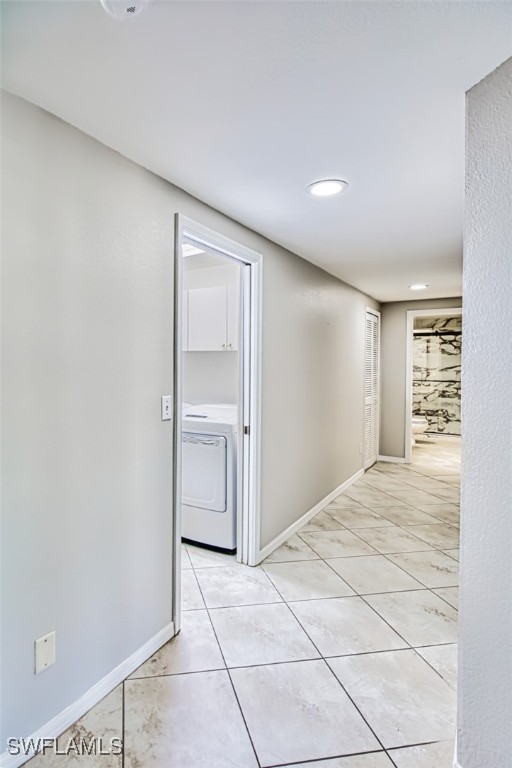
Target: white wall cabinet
<point x="212" y="319"/>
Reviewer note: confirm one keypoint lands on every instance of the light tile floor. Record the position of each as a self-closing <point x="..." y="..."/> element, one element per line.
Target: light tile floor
<point x="339" y="649"/>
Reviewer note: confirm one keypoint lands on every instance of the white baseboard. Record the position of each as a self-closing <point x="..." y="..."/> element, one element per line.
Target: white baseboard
<point x="294" y="527"/>
<point x="393" y="459"/>
<point x="61" y="722"/>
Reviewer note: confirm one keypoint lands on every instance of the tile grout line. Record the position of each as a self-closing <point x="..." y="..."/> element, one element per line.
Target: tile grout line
<point x="410" y="574"/>
<point x="244" y="605"/>
<point x="256" y="757"/>
<point x="391" y="760"/>
<point x="372" y="509"/>
<point x="420" y="583"/>
<point x="200" y="592"/>
<point x="417" y="744"/>
<point x="362" y="653"/>
<point x="322" y="658"/>
<point x="325" y="658"/>
<point x="355" y="705"/>
<point x="328" y="759"/>
<point x="387" y="506"/>
<point x="356" y="594"/>
<point x="444" y="599"/>
<point x="428" y="477"/>
<point x="400" y="592"/>
<point x="258" y="763"/>
<point x="399" y="500"/>
<point x="432" y="667"/>
<point x="429" y="547"/>
<point x="420" y="588"/>
<point x="178" y="674"/>
<point x="415" y="525"/>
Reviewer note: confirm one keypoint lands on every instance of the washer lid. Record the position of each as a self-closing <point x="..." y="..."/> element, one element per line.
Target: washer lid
<point x="219" y="413"/>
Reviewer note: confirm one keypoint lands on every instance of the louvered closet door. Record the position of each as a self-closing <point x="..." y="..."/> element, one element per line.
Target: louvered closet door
<point x="371" y="390"/>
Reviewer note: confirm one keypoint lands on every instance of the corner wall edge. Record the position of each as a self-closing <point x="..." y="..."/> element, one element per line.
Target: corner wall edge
<point x="68" y="716"/>
<point x="294" y="527"/>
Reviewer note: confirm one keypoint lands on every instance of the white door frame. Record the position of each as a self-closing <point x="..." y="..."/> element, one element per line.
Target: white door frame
<point x="249" y="457"/>
<point x="411" y="315"/>
<point x="376" y="313"/>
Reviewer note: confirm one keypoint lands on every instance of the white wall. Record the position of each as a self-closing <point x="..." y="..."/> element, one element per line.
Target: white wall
<point x="393" y="359"/>
<point x="313" y="367"/>
<point x="485" y="657"/>
<point x="86" y="481"/>
<point x="210" y="377"/>
<point x="87" y="323"/>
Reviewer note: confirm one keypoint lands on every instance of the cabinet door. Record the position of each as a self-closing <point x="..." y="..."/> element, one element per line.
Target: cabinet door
<point x="233" y="311"/>
<point x="207" y="319"/>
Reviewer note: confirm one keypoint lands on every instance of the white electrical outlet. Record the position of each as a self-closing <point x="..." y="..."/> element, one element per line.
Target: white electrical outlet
<point x="44" y="652"/>
<point x="166" y="407"/>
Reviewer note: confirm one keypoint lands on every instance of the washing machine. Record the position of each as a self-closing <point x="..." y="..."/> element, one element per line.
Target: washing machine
<point x="209" y="474"/>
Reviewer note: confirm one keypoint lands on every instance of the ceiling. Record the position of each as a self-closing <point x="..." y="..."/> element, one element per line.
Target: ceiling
<point x="204" y="259"/>
<point x="245" y="103"/>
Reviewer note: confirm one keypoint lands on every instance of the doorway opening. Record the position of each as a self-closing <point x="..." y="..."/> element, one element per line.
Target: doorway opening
<point x="371" y="388"/>
<point x="217" y="363"/>
<point x="433" y="391"/>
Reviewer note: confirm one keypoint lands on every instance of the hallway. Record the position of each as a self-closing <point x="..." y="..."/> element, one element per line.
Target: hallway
<point x="340" y="648"/>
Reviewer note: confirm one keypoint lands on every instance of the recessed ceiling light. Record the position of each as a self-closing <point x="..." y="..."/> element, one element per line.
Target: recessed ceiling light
<point x="418" y="286"/>
<point x="327" y="187"/>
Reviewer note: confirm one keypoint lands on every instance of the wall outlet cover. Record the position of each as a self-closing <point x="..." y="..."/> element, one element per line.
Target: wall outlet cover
<point x="44" y="649"/>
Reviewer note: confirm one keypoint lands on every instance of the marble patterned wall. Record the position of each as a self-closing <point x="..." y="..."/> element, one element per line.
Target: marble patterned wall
<point x="436" y="372"/>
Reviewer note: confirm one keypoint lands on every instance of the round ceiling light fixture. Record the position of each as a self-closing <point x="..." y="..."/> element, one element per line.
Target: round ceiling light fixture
<point x="123" y="9"/>
<point x="418" y="286"/>
<point x="327" y="187"/>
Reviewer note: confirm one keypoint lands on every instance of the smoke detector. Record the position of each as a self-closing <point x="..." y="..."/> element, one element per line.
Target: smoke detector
<point x="123" y="9"/>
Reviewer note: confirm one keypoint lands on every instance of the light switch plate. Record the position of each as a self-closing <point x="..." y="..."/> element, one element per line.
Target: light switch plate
<point x="166" y="407"/>
<point x="44" y="652"/>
